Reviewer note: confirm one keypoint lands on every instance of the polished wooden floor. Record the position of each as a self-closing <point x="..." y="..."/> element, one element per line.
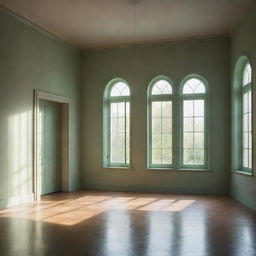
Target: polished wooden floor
<point x="128" y="224"/>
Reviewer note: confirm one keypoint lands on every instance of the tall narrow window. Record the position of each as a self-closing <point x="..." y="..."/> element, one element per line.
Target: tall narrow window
<point x="194" y="125"/>
<point x="117" y="124"/>
<point x="242" y="117"/>
<point x="160" y="120"/>
<point x="247" y="118"/>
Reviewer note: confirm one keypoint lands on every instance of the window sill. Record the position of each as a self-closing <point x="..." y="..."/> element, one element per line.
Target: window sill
<point x="179" y="170"/>
<point x="243" y="173"/>
<point x="117" y="168"/>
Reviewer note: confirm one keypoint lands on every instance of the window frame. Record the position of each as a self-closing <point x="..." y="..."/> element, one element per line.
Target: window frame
<point x="238" y="91"/>
<point x="161" y="97"/>
<point x="197" y="96"/>
<point x="245" y="89"/>
<point x="107" y="100"/>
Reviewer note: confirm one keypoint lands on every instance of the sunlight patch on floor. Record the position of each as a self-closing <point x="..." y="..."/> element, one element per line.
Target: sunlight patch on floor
<point x="72" y="211"/>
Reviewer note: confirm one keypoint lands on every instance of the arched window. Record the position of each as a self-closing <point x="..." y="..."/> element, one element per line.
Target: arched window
<point x="160" y="123"/>
<point x="194" y="123"/>
<point x="116" y="124"/>
<point x="242" y="116"/>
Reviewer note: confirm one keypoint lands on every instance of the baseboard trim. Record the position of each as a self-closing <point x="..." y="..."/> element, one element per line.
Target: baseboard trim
<point x="12" y="201"/>
<point x="168" y="190"/>
<point x="246" y="202"/>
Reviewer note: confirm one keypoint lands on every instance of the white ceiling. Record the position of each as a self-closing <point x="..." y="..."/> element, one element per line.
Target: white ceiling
<point x="106" y="23"/>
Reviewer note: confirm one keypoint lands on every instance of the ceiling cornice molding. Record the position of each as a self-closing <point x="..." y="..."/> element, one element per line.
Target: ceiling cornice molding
<point x="36" y="27"/>
<point x="161" y="42"/>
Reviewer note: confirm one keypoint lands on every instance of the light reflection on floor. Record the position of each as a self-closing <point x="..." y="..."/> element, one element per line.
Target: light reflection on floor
<point x="74" y="210"/>
<point x="128" y="224"/>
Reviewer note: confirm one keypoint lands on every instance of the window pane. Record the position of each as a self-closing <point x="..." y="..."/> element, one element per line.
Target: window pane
<point x="121" y="108"/>
<point x="119" y="132"/>
<point x="188" y="140"/>
<point x="193" y="132"/>
<point x="120" y="89"/>
<point x="114" y="141"/>
<point x="121" y="155"/>
<point x="246" y="158"/>
<point x="199" y="140"/>
<point x="249" y="122"/>
<point x="245" y="103"/>
<point x="188" y="124"/>
<point x="188" y="108"/>
<point x="156" y="156"/>
<point x="156" y="140"/>
<point x="250" y="101"/>
<point x="199" y="124"/>
<point x="156" y="108"/>
<point x="166" y="109"/>
<point x="247" y="75"/>
<point x="114" y="148"/>
<point x="198" y="156"/>
<point x="199" y="108"/>
<point x="114" y="156"/>
<point x="166" y="156"/>
<point x="249" y="140"/>
<point x="187" y="89"/>
<point x="167" y="141"/>
<point x="166" y="124"/>
<point x="114" y="125"/>
<point x="121" y="124"/>
<point x="127" y="132"/>
<point x="247" y="130"/>
<point x="245" y="122"/>
<point x="113" y="110"/>
<point x="245" y="140"/>
<point x="162" y="87"/>
<point x="156" y="125"/>
<point x="200" y="88"/>
<point x="250" y="158"/>
<point x="193" y="86"/>
<point x="188" y="156"/>
<point x="121" y="140"/>
<point x="161" y="132"/>
<point x="193" y="157"/>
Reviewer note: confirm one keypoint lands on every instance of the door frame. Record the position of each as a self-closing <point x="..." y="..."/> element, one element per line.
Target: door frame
<point x="65" y="107"/>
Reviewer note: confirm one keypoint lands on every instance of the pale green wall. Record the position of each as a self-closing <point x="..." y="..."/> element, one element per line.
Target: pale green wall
<point x="244" y="43"/>
<point x="30" y="59"/>
<point x="138" y="65"/>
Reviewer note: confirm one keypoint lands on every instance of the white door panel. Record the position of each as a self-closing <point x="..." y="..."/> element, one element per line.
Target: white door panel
<point x="50" y="137"/>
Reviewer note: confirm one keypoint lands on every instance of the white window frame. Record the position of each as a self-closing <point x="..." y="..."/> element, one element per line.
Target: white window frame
<point x="199" y="96"/>
<point x="162" y="97"/>
<point x="237" y="116"/>
<point x="107" y="100"/>
<point x="246" y="88"/>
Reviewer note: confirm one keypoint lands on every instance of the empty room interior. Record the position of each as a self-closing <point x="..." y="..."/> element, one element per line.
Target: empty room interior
<point x="128" y="128"/>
